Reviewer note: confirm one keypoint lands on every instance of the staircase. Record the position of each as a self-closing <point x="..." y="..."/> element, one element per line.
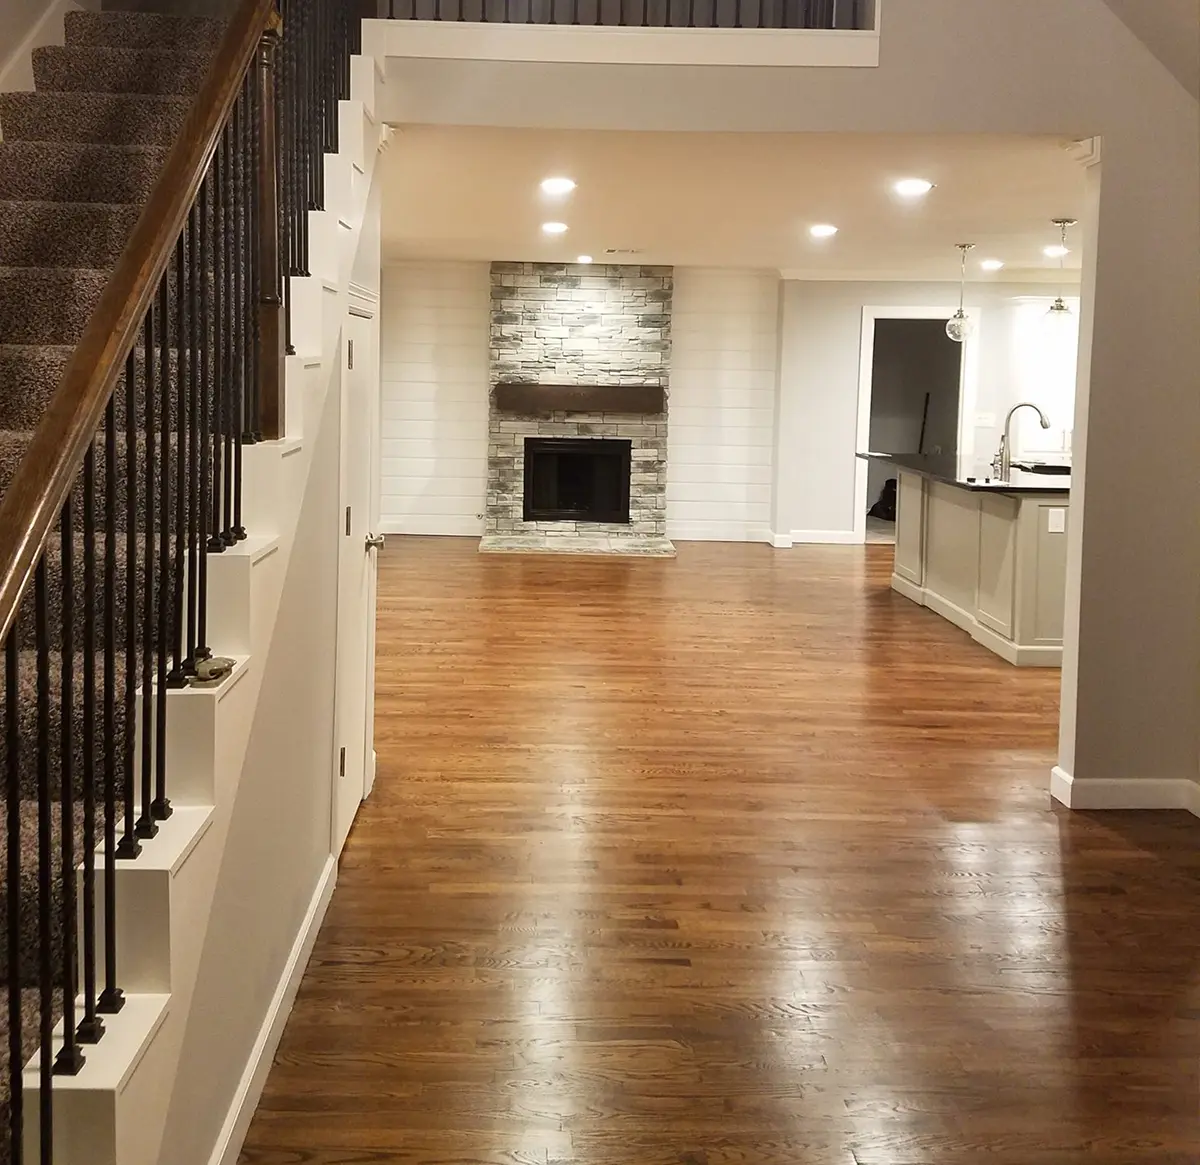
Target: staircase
<point x="162" y="197"/>
<point x="77" y="162"/>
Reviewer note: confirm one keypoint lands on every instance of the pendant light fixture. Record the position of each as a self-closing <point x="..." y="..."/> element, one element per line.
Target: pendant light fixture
<point x="960" y="325"/>
<point x="1059" y="309"/>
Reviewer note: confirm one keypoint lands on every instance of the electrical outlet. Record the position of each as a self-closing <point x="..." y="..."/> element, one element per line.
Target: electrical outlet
<point x="985" y="420"/>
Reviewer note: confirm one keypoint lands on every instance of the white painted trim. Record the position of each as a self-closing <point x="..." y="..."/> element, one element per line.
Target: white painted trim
<point x="254" y="1077"/>
<point x="16" y="70"/>
<point x="717" y="530"/>
<point x="448" y="525"/>
<point x="568" y="44"/>
<point x="894" y="275"/>
<point x="968" y="390"/>
<point x="781" y="541"/>
<point x="1125" y="792"/>
<point x="832" y="537"/>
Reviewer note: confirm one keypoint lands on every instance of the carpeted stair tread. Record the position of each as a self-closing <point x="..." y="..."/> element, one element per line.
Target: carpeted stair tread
<point x="75" y="69"/>
<point x="30" y="897"/>
<point x="143" y="30"/>
<point x="48" y="305"/>
<point x="110" y="118"/>
<point x="78" y="171"/>
<point x="37" y="233"/>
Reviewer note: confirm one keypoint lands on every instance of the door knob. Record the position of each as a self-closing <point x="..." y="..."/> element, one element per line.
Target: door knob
<point x="375" y="541"/>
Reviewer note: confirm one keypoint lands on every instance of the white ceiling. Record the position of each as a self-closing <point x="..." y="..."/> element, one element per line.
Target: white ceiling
<point x="1170" y="29"/>
<point x="731" y="200"/>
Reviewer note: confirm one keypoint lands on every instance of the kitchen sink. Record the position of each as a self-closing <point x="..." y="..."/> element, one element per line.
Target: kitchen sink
<point x="1041" y="467"/>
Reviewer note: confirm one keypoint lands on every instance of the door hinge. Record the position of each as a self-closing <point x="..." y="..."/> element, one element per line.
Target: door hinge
<point x="347" y="521"/>
<point x="342" y="763"/>
<point x="349" y="353"/>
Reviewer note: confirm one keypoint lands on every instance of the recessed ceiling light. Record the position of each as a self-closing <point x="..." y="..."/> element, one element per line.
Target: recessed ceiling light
<point x="992" y="264"/>
<point x="557" y="186"/>
<point x="913" y="187"/>
<point x="584" y="259"/>
<point x="1056" y="251"/>
<point x="554" y="228"/>
<point x="822" y="230"/>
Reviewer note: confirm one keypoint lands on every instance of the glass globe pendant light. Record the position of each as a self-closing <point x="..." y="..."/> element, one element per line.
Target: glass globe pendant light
<point x="1059" y="309"/>
<point x="960" y="325"/>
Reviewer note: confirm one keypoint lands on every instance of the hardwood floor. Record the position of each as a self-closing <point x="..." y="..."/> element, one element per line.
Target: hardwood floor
<point x="736" y="859"/>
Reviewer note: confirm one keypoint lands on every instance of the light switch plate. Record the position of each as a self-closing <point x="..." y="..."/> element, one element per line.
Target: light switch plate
<point x="1057" y="520"/>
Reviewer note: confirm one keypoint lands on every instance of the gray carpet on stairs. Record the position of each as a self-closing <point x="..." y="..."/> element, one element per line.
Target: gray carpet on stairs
<point x="77" y="161"/>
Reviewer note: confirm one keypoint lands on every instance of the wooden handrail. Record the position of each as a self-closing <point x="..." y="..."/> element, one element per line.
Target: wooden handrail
<point x="34" y="500"/>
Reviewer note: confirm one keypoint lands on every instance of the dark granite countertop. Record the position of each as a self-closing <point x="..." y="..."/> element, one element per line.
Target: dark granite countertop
<point x="974" y="476"/>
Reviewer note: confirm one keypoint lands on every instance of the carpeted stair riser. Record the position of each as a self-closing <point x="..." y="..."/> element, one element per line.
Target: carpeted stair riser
<point x="187" y="34"/>
<point x="78" y="172"/>
<point x="73" y="69"/>
<point x="30" y="375"/>
<point x="30" y="896"/>
<point x="12" y="447"/>
<point x="116" y="119"/>
<point x="64" y="234"/>
<point x="48" y="305"/>
<point x="52" y="305"/>
<point x="27" y="719"/>
<point x="54" y="588"/>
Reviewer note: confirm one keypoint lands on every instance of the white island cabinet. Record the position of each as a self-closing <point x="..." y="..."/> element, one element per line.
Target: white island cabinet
<point x="989" y="558"/>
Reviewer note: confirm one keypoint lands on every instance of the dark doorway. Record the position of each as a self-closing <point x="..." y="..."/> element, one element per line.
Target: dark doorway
<point x="916" y="381"/>
<point x="573" y="480"/>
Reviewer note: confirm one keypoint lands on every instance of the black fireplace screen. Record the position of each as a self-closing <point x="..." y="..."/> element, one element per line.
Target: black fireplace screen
<point x="576" y="480"/>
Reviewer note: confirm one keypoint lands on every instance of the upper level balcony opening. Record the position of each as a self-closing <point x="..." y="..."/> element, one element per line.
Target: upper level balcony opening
<point x="751" y="33"/>
<point x="795" y="15"/>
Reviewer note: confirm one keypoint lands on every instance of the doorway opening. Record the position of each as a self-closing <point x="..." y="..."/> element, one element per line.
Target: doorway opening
<point x="916" y="396"/>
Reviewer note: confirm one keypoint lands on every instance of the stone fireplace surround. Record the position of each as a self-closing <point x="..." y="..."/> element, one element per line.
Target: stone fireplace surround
<point x="583" y="338"/>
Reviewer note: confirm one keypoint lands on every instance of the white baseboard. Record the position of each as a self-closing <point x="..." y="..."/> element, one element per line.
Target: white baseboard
<point x="829" y="537"/>
<point x="249" y="1090"/>
<point x="439" y="525"/>
<point x="1125" y="793"/>
<point x="717" y="530"/>
<point x="781" y="541"/>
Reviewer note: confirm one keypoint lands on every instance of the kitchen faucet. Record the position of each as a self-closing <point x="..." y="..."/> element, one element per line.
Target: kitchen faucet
<point x="1002" y="462"/>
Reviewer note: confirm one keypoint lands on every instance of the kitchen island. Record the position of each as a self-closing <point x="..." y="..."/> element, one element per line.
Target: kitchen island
<point x="990" y="556"/>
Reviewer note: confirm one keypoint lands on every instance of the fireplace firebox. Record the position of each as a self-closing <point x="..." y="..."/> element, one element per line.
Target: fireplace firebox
<point x="576" y="479"/>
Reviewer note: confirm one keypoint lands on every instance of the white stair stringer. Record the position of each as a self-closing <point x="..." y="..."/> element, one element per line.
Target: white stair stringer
<point x="114" y="1111"/>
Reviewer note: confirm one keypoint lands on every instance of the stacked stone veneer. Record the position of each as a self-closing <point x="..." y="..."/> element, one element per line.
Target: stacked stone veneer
<point x="574" y="324"/>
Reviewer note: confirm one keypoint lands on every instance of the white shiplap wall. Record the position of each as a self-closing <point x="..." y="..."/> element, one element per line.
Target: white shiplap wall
<point x="724" y="357"/>
<point x="434" y="372"/>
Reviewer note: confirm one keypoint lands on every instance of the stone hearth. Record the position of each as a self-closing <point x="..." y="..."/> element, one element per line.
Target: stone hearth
<point x="558" y="330"/>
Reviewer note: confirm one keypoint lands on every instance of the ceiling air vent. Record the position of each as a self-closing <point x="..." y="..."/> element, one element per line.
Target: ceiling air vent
<point x="622" y="250"/>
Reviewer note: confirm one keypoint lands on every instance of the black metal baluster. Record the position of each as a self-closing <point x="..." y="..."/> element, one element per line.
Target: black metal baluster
<point x="112" y="999"/>
<point x="248" y="297"/>
<point x="129" y="846"/>
<point x="220" y="341"/>
<point x="146" y="825"/>
<point x="70" y="1058"/>
<point x="91" y="1026"/>
<point x="12" y="791"/>
<point x="45" y="874"/>
<point x="189" y="419"/>
<point x="206" y="339"/>
<point x="233" y="275"/>
<point x="160" y="807"/>
<point x="175" y="409"/>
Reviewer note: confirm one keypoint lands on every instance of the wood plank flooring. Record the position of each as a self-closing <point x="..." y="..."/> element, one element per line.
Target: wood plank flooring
<point x="736" y="859"/>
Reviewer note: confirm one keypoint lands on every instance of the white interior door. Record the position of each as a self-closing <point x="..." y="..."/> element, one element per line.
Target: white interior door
<point x="356" y="579"/>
